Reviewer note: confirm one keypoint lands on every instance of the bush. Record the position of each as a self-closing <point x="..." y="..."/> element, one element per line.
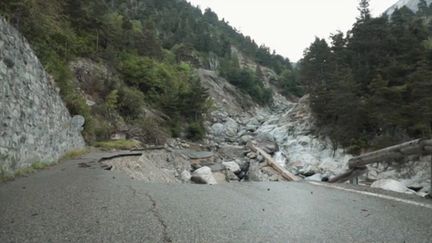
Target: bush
<point x="131" y="102"/>
<point x="151" y="131"/>
<point x="195" y="131"/>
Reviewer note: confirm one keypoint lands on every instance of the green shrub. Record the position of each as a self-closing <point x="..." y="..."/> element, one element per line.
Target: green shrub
<point x="131" y="102"/>
<point x="118" y="144"/>
<point x="74" y="154"/>
<point x="40" y="165"/>
<point x="152" y="130"/>
<point x="195" y="131"/>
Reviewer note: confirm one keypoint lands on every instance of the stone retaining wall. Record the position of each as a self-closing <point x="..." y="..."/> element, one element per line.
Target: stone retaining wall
<point x="35" y="125"/>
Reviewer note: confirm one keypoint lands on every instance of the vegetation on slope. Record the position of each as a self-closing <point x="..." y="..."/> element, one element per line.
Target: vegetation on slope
<point x="373" y="86"/>
<point x="152" y="45"/>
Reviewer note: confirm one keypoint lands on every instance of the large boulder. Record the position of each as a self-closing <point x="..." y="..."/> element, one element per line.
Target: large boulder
<point x="231" y="128"/>
<point x="203" y="175"/>
<point x="392" y="185"/>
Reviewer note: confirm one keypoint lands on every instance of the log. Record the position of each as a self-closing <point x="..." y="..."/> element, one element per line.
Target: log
<point x="362" y="161"/>
<point x="282" y="171"/>
<point x="390" y="153"/>
<point x="161" y="147"/>
<point x="120" y="155"/>
<point x="357" y="165"/>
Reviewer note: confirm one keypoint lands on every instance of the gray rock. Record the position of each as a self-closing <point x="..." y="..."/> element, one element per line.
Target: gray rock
<point x="232" y="166"/>
<point x="251" y="128"/>
<point x="251" y="155"/>
<point x="231" y="128"/>
<point x="78" y="121"/>
<point x="203" y="175"/>
<point x="217" y="129"/>
<point x="195" y="166"/>
<point x="271" y="148"/>
<point x="260" y="158"/>
<point x="245" y="139"/>
<point x="217" y="167"/>
<point x="200" y="155"/>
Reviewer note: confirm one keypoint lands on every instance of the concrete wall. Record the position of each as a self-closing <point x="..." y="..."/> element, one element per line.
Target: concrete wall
<point x="34" y="122"/>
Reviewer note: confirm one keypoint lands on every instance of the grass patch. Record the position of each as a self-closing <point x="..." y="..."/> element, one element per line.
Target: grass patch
<point x="24" y="171"/>
<point x="40" y="165"/>
<point x="4" y="176"/>
<point x="74" y="154"/>
<point x="118" y="144"/>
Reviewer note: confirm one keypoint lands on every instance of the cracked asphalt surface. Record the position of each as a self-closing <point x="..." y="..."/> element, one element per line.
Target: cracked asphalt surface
<point x="71" y="203"/>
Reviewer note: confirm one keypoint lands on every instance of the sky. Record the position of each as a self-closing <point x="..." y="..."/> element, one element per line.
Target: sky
<point x="290" y="26"/>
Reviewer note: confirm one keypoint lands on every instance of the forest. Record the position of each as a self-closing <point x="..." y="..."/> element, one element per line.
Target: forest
<point x="154" y="46"/>
<point x="371" y="87"/>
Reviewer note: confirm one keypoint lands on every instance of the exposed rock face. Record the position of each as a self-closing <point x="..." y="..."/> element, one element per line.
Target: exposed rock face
<point x="291" y="126"/>
<point x="411" y="4"/>
<point x="35" y="124"/>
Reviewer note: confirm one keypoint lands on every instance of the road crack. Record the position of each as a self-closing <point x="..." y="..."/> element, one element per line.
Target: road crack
<point x="134" y="192"/>
<point x="155" y="213"/>
<point x="158" y="216"/>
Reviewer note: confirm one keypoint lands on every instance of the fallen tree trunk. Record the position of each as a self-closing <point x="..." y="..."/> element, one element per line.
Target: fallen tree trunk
<point x="357" y="165"/>
<point x="120" y="155"/>
<point x="282" y="171"/>
<point x="391" y="153"/>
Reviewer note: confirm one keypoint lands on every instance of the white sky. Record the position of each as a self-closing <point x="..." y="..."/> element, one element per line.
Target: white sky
<point x="290" y="26"/>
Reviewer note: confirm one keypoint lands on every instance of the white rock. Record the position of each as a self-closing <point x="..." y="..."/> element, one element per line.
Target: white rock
<point x="392" y="185"/>
<point x="232" y="166"/>
<point x="185" y="176"/>
<point x="316" y="177"/>
<point x="203" y="175"/>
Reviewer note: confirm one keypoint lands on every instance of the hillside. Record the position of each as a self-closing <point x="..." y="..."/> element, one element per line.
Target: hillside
<point x="370" y="88"/>
<point x="129" y="67"/>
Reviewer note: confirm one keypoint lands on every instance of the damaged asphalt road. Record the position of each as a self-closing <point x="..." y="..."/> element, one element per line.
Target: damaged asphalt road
<point x="69" y="203"/>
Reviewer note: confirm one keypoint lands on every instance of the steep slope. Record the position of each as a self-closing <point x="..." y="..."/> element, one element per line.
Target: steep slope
<point x="35" y="124"/>
<point x="143" y="56"/>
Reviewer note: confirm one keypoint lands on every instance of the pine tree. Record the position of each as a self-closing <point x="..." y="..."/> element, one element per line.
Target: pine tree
<point x="364" y="10"/>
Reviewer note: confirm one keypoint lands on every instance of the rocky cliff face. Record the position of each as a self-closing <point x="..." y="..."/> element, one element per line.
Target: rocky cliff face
<point x="411" y="4"/>
<point x="290" y="124"/>
<point x="35" y="125"/>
